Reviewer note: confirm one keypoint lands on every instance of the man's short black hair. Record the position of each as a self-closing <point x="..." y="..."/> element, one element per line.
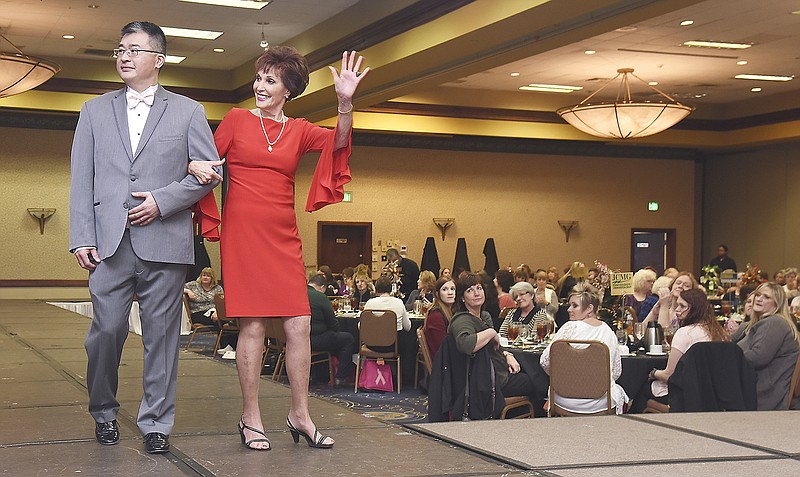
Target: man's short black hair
<point x="157" y="38"/>
<point x="318" y="280"/>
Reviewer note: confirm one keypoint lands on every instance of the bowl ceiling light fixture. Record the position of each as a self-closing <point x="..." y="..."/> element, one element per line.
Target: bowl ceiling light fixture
<point x="20" y="72"/>
<point x="625" y="118"/>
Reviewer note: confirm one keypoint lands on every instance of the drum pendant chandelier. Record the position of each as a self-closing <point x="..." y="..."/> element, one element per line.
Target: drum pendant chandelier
<point x="20" y="72"/>
<point x="625" y="118"/>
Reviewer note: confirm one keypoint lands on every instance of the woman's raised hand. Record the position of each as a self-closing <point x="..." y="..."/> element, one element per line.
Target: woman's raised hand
<point x="346" y="80"/>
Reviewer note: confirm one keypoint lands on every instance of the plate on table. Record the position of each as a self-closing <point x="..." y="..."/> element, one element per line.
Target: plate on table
<point x="656" y="354"/>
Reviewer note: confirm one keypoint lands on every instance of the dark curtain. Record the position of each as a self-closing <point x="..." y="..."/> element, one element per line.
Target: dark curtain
<point x="491" y="265"/>
<point x="461" y="263"/>
<point x="430" y="257"/>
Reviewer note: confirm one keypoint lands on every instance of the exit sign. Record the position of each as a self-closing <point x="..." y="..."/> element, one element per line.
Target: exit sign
<point x="652" y="206"/>
<point x="348" y="196"/>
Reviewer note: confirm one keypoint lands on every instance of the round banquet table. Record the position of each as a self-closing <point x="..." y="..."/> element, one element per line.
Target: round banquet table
<point x="635" y="370"/>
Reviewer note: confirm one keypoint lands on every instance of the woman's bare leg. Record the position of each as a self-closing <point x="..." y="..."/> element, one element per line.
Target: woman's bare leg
<point x="298" y="366"/>
<point x="248" y="364"/>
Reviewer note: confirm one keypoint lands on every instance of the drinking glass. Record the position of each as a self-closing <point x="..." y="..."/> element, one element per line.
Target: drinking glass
<point x="796" y="311"/>
<point x="541" y="330"/>
<point x="638" y="331"/>
<point x="513" y="332"/>
<point x="622" y="336"/>
<point x="668" y="334"/>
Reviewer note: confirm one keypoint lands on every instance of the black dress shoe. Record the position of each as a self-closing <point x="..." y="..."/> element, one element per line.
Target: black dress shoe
<point x="156" y="443"/>
<point x="106" y="433"/>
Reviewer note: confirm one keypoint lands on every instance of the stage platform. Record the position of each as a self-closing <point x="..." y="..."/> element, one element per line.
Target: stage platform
<point x="46" y="429"/>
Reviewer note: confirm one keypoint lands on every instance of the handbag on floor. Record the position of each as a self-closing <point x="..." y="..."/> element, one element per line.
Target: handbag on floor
<point x="377" y="377"/>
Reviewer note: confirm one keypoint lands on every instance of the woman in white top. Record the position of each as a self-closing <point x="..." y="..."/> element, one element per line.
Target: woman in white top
<point x="545" y="297"/>
<point x="386" y="302"/>
<point x="583" y="324"/>
<point x="697" y="323"/>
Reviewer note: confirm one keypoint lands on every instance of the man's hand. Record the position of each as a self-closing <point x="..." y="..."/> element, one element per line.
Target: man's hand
<point x="145" y="212"/>
<point x="83" y="258"/>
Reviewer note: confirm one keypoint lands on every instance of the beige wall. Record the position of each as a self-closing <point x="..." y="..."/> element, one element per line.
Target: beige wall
<point x="515" y="198"/>
<point x="751" y="206"/>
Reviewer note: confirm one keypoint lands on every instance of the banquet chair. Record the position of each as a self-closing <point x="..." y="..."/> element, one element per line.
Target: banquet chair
<point x="378" y="329"/>
<point x="229" y="327"/>
<point x="580" y="373"/>
<point x="424" y="358"/>
<point x="794" y="390"/>
<point x="277" y="337"/>
<point x="517" y="402"/>
<point x="197" y="328"/>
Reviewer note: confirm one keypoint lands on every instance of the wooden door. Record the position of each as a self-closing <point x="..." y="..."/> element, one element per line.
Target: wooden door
<point x="344" y="244"/>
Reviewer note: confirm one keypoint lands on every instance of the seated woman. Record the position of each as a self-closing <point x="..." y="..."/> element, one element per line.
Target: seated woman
<point x="440" y="314"/>
<point x="331" y="285"/>
<point x="424" y="291"/>
<point x="664" y="309"/>
<point x="642" y="300"/>
<point x="576" y="273"/>
<point x="583" y="324"/>
<point x="697" y="323"/>
<point x="471" y="327"/>
<point x="553" y="278"/>
<point x="545" y="297"/>
<point x="770" y="343"/>
<point x="363" y="291"/>
<point x="386" y="302"/>
<point x="347" y="286"/>
<point x="527" y="313"/>
<point x="445" y="273"/>
<point x="201" y="293"/>
<point x="503" y="279"/>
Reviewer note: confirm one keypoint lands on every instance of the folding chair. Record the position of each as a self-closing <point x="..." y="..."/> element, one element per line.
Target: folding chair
<point x="378" y="329"/>
<point x="583" y="372"/>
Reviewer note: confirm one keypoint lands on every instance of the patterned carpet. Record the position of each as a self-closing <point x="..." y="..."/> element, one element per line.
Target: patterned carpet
<point x="410" y="406"/>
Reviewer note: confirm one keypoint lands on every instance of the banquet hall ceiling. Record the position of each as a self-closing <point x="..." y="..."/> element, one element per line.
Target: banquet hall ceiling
<point x="439" y="58"/>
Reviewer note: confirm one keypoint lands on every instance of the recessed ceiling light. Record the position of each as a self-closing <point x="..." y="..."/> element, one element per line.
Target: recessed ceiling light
<point x="717" y="44"/>
<point x="755" y="90"/>
<point x="764" y="77"/>
<point x="252" y="4"/>
<point x="626" y="29"/>
<point x="219" y="50"/>
<point x="551" y="88"/>
<point x="174" y="59"/>
<point x="68" y="37"/>
<point x="189" y="33"/>
<point x="93" y="6"/>
<point x="741" y="62"/>
<point x="653" y="83"/>
<point x="687" y="22"/>
<point x="514" y="74"/>
<point x="590" y="52"/>
<point x="796" y="13"/>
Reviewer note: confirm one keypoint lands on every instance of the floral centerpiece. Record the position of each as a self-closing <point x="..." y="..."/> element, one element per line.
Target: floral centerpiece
<point x="710" y="279"/>
<point x="391" y="271"/>
<point x="752" y="276"/>
<point x="601" y="281"/>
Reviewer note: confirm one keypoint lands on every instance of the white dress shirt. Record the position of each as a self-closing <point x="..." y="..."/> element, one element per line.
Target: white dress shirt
<point x="137" y="117"/>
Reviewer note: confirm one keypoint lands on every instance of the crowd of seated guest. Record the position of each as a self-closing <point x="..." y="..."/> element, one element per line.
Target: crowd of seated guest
<point x="424" y="291"/>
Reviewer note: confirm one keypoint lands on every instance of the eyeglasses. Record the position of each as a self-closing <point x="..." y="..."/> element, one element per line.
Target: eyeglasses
<point x="133" y="52"/>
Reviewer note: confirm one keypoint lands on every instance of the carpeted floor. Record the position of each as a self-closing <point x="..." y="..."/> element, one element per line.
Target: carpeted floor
<point x="408" y="407"/>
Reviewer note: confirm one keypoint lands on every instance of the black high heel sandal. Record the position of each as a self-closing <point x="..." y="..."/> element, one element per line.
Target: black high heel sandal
<point x="316" y="442"/>
<point x="242" y="426"/>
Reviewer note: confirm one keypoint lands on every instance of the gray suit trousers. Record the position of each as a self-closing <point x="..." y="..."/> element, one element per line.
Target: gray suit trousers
<point x="159" y="288"/>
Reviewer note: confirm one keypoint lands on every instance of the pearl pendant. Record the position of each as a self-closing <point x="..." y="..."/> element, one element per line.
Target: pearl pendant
<point x="269" y="148"/>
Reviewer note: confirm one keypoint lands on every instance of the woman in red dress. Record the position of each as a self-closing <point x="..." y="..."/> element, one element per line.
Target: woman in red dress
<point x="262" y="258"/>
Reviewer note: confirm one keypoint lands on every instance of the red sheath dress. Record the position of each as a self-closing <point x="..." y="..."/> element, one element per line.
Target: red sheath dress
<point x="262" y="255"/>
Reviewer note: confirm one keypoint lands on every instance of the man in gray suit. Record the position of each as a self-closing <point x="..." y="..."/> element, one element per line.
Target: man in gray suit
<point x="131" y="227"/>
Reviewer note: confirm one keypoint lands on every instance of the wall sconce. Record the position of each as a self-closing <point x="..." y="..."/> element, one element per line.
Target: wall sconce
<point x="41" y="215"/>
<point x="567" y="226"/>
<point x="443" y="224"/>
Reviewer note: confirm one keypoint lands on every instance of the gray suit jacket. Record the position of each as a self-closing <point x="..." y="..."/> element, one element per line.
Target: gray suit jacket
<point x="105" y="171"/>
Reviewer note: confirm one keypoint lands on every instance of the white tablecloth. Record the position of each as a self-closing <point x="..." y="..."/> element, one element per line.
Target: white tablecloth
<point x="134" y="323"/>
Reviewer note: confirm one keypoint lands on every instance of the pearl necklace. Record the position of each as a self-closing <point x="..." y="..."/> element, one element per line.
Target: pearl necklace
<point x="263" y="129"/>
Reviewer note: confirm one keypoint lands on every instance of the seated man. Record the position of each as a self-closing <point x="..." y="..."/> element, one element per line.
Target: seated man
<point x="325" y="334"/>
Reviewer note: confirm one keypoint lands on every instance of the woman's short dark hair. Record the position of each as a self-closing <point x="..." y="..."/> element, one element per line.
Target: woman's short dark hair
<point x="383" y="285"/>
<point x="465" y="281"/>
<point x="505" y="279"/>
<point x="157" y="38"/>
<point x="289" y="65"/>
<point x="326" y="270"/>
<point x="348" y="272"/>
